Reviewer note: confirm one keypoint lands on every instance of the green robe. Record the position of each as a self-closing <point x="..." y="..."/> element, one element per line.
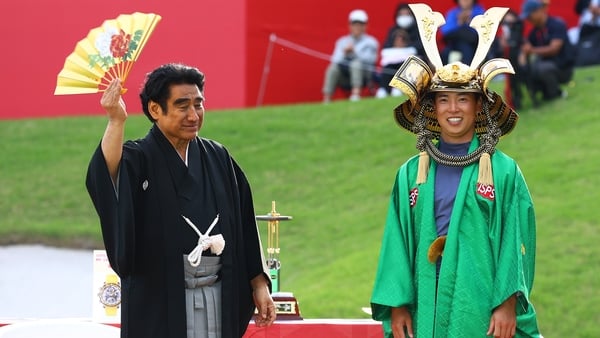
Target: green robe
<point x="489" y="253"/>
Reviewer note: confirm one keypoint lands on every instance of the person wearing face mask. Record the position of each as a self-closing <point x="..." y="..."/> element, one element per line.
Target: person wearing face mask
<point x="404" y="19"/>
<point x="391" y="59"/>
<point x="402" y="41"/>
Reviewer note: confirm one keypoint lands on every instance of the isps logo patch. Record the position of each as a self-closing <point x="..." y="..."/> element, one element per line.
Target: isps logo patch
<point x="486" y="191"/>
<point x="412" y="197"/>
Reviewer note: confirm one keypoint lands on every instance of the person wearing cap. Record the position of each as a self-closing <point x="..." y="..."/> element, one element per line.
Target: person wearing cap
<point x="547" y="53"/>
<point x="353" y="58"/>
<point x="458" y="250"/>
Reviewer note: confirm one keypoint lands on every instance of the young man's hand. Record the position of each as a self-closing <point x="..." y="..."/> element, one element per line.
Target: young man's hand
<point x="504" y="319"/>
<point x="401" y="319"/>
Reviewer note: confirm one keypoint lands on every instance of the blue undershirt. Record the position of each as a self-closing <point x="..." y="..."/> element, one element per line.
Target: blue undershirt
<point x="446" y="184"/>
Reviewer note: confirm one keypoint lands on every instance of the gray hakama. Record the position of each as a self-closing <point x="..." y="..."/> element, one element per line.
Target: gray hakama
<point x="203" y="298"/>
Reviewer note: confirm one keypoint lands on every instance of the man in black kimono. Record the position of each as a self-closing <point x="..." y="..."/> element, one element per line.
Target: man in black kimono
<point x="156" y="198"/>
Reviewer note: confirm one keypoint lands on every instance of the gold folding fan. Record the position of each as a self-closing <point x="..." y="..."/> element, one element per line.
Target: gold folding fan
<point x="108" y="52"/>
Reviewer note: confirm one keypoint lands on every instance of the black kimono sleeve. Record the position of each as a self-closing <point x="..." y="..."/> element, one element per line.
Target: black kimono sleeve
<point x="253" y="247"/>
<point x="114" y="205"/>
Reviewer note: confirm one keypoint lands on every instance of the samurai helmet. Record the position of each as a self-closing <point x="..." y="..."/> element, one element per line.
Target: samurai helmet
<point x="419" y="82"/>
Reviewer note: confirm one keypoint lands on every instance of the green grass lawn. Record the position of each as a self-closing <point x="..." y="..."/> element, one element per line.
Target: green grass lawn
<point x="331" y="167"/>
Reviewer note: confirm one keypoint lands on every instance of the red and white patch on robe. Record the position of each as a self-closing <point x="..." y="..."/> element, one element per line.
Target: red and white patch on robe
<point x="412" y="197"/>
<point x="486" y="191"/>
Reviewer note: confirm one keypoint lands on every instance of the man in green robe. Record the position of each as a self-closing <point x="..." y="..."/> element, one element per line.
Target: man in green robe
<point x="458" y="250"/>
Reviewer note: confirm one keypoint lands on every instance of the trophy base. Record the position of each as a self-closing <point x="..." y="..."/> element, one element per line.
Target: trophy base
<point x="286" y="306"/>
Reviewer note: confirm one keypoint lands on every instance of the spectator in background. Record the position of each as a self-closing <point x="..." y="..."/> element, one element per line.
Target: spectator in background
<point x="580" y="6"/>
<point x="588" y="42"/>
<point x="405" y="19"/>
<point x="402" y="41"/>
<point x="460" y="39"/>
<point x="548" y="53"/>
<point x="509" y="43"/>
<point x="391" y="59"/>
<point x="353" y="59"/>
<point x="589" y="19"/>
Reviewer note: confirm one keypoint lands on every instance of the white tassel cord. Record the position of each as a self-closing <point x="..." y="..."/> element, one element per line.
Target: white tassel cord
<point x="216" y="243"/>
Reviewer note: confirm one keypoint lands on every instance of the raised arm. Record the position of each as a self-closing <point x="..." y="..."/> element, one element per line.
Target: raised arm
<point x="112" y="141"/>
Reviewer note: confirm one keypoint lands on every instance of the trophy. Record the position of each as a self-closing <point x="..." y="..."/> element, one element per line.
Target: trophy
<point x="286" y="305"/>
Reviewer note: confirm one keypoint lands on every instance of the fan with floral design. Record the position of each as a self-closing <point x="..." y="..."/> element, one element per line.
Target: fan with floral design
<point x="108" y="52"/>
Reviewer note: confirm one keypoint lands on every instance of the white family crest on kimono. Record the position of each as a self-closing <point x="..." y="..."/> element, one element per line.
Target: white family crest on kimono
<point x="216" y="243"/>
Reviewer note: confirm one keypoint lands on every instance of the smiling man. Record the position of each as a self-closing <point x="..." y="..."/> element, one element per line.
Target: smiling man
<point x="458" y="250"/>
<point x="177" y="218"/>
<point x="456" y="115"/>
<point x="481" y="223"/>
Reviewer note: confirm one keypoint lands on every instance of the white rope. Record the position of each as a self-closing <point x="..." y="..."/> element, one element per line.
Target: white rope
<point x="216" y="243"/>
<point x="274" y="39"/>
<point x="266" y="70"/>
<point x="311" y="52"/>
<point x="301" y="49"/>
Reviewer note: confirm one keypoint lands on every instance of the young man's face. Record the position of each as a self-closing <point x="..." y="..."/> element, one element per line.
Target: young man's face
<point x="456" y="112"/>
<point x="185" y="113"/>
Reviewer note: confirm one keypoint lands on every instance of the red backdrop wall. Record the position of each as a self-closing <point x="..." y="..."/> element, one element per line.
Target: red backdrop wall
<point x="37" y="36"/>
<point x="228" y="40"/>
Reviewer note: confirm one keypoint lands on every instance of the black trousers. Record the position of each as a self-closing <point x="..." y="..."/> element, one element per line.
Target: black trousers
<point x="386" y="75"/>
<point x="547" y="76"/>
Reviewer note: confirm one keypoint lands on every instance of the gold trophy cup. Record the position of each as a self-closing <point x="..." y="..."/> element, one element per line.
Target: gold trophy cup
<point x="286" y="305"/>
